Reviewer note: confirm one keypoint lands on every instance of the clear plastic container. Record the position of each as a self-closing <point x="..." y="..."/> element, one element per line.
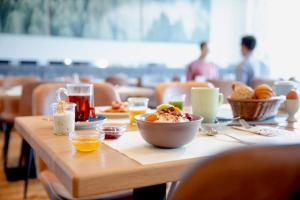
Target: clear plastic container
<point x="111" y="131"/>
<point x="86" y="141"/>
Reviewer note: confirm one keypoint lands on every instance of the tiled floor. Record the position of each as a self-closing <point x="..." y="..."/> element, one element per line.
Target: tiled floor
<point x="14" y="190"/>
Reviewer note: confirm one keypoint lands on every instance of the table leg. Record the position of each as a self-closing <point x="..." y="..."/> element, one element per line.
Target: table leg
<point x="28" y="168"/>
<point x="157" y="192"/>
<point x="7" y="129"/>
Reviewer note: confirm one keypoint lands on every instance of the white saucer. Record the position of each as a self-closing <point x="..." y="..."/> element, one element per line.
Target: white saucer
<point x="88" y="124"/>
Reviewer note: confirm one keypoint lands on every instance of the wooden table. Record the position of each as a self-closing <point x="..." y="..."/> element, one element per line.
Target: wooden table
<point x="105" y="170"/>
<point x="102" y="171"/>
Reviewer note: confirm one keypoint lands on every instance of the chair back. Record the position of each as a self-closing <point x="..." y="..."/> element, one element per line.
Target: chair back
<point x="43" y="96"/>
<point x="120" y="79"/>
<point x="85" y="79"/>
<point x="165" y="91"/>
<point x="18" y="80"/>
<point x="1" y="81"/>
<point x="25" y="105"/>
<point x="104" y="94"/>
<point x="261" y="173"/>
<point x="225" y="86"/>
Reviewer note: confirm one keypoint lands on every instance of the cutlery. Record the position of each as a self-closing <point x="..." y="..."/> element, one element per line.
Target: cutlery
<point x="213" y="132"/>
<point x="245" y="124"/>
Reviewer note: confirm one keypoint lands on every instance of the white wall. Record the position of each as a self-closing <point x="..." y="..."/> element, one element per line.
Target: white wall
<point x="227" y="25"/>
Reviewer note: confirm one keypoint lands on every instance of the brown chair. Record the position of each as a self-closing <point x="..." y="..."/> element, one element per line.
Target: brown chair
<point x="43" y="96"/>
<point x="84" y="79"/>
<point x="11" y="81"/>
<point x="119" y="79"/>
<point x="224" y="85"/>
<point x="10" y="106"/>
<point x="164" y="91"/>
<point x="13" y="107"/>
<point x="104" y="94"/>
<point x="260" y="173"/>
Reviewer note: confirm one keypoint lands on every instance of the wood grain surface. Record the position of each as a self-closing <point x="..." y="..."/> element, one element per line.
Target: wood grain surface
<point x="102" y="171"/>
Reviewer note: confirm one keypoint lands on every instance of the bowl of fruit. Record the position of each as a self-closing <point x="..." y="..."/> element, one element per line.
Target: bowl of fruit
<point x="168" y="127"/>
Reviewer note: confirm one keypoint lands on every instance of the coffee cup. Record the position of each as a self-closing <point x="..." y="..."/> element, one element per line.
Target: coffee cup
<point x="205" y="103"/>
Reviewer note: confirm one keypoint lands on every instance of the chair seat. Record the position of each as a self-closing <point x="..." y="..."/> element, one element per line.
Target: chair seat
<point x="8" y="117"/>
<point x="10" y="108"/>
<point x="57" y="191"/>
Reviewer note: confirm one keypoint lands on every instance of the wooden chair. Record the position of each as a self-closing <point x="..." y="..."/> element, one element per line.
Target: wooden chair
<point x="164" y="91"/>
<point x="11" y="81"/>
<point x="119" y="79"/>
<point x="12" y="107"/>
<point x="104" y="94"/>
<point x="261" y="173"/>
<point x="43" y="96"/>
<point x="85" y="79"/>
<point x="224" y="85"/>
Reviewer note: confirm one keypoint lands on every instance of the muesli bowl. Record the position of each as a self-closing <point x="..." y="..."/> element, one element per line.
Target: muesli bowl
<point x="168" y="134"/>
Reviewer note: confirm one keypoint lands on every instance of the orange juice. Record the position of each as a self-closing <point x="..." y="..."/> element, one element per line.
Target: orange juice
<point x="86" y="144"/>
<point x="133" y="113"/>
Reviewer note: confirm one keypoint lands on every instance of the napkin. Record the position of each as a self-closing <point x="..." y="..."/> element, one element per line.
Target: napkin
<point x="262" y="130"/>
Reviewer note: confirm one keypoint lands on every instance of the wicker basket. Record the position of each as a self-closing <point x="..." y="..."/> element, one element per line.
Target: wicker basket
<point x="255" y="109"/>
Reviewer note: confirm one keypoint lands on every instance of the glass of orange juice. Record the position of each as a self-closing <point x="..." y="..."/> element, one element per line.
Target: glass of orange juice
<point x="136" y="106"/>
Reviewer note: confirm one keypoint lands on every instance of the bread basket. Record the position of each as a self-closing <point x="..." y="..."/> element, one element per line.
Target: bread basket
<point x="255" y="109"/>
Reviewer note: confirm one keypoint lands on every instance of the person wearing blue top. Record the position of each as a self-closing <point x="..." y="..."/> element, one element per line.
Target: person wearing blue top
<point x="250" y="68"/>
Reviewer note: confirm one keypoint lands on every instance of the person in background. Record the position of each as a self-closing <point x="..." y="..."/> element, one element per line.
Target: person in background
<point x="200" y="67"/>
<point x="250" y="68"/>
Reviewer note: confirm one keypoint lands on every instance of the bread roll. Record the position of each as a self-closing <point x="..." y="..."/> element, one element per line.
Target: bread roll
<point x="241" y="91"/>
<point x="263" y="91"/>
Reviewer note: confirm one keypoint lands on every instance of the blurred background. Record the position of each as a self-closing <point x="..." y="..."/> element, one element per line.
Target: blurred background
<point x="154" y="37"/>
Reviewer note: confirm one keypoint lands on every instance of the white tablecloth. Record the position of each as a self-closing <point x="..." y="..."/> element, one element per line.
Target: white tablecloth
<point x="132" y="145"/>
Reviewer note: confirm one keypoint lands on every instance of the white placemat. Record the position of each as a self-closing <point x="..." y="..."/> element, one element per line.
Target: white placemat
<point x="133" y="145"/>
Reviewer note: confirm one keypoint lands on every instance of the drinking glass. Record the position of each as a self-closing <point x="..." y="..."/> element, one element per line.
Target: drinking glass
<point x="136" y="106"/>
<point x="178" y="101"/>
<point x="63" y="118"/>
<point x="83" y="96"/>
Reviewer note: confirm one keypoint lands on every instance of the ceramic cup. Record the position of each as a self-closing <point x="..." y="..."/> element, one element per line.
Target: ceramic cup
<point x="205" y="103"/>
<point x="283" y="87"/>
<point x="291" y="107"/>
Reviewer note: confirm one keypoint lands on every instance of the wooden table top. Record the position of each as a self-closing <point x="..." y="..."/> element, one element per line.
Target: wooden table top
<point x="105" y="170"/>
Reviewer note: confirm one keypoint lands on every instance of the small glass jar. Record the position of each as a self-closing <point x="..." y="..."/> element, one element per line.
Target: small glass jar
<point x="178" y="101"/>
<point x="111" y="131"/>
<point x="86" y="141"/>
<point x="63" y="118"/>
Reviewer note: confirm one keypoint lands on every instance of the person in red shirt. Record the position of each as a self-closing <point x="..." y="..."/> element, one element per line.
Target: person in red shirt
<point x="202" y="68"/>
